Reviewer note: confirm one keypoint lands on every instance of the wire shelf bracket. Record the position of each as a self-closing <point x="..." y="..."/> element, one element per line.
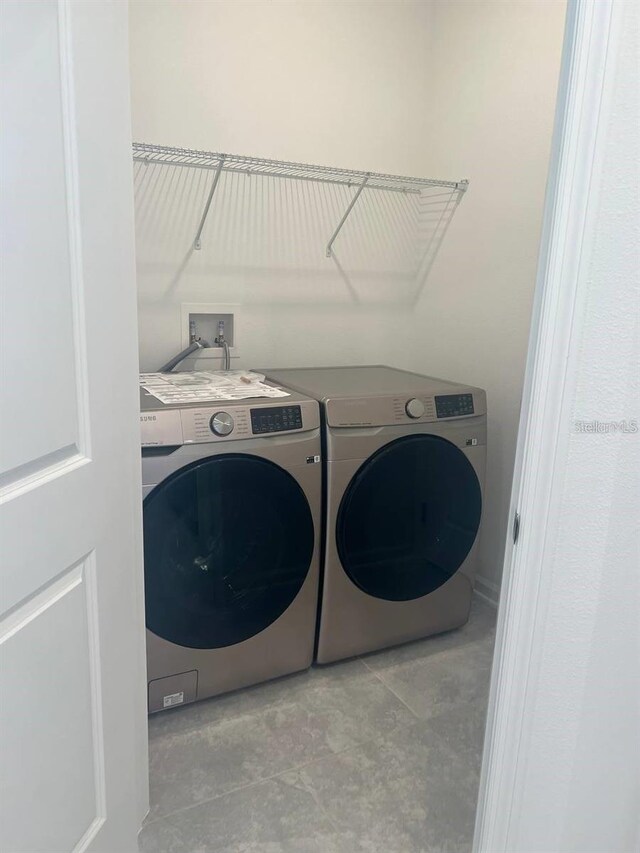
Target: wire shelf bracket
<point x="234" y="163"/>
<point x="196" y="243"/>
<point x="352" y="204"/>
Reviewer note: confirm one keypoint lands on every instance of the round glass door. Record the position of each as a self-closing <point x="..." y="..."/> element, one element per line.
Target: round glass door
<point x="408" y="518"/>
<point x="228" y="543"/>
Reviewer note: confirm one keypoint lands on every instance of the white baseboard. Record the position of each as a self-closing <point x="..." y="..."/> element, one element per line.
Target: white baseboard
<point x="487" y="590"/>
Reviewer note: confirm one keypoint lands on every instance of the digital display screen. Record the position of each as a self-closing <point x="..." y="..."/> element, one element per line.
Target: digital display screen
<point x="454" y="405"/>
<point x="276" y="419"/>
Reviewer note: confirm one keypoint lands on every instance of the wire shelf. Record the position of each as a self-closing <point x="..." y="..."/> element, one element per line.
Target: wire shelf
<point x="218" y="163"/>
<point x="162" y="154"/>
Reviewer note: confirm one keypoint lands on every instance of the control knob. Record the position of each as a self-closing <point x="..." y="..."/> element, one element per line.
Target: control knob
<point x="221" y="423"/>
<point x="415" y="408"/>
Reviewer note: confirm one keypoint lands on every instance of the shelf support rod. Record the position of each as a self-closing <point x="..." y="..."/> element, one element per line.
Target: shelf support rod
<point x="346" y="214"/>
<point x="196" y="243"/>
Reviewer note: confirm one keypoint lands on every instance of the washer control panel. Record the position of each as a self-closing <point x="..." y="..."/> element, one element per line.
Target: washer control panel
<point x="454" y="405"/>
<point x="276" y="419"/>
<point x="225" y="422"/>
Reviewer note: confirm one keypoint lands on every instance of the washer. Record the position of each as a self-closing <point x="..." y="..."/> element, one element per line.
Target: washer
<point x="405" y="466"/>
<point x="232" y="503"/>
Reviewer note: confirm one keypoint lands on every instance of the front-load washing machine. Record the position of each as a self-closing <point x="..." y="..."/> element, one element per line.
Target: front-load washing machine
<point x="232" y="502"/>
<point x="405" y="465"/>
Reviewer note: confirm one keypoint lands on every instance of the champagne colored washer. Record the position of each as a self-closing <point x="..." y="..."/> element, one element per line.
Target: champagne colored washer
<point x="232" y="521"/>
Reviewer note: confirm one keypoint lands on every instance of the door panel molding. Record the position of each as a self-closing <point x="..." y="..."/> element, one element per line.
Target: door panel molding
<point x="69" y="129"/>
<point x="13" y="621"/>
<point x="68" y="608"/>
<point x="97" y="721"/>
<point x="38" y="472"/>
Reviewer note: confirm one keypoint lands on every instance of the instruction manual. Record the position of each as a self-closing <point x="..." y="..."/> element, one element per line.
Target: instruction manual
<point x="204" y="386"/>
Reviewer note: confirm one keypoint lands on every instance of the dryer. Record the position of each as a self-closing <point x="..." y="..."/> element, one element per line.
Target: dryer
<point x="405" y="460"/>
<point x="231" y="511"/>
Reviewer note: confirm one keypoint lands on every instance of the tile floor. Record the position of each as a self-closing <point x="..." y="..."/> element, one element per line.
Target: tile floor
<point x="379" y="754"/>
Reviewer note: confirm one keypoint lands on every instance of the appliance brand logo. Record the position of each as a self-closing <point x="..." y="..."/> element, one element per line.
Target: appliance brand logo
<point x="145" y="418"/>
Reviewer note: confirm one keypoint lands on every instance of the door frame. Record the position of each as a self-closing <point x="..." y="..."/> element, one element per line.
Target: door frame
<point x="549" y="379"/>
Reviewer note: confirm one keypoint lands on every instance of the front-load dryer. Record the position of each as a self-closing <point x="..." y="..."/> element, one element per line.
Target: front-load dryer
<point x="405" y="465"/>
<point x="232" y="502"/>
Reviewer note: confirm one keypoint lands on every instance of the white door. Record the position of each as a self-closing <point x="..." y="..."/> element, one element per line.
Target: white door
<point x="72" y="706"/>
<point x="560" y="768"/>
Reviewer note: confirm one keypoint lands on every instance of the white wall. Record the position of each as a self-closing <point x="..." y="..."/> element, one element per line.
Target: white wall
<point x="438" y="89"/>
<point x="331" y="83"/>
<point x="495" y="72"/>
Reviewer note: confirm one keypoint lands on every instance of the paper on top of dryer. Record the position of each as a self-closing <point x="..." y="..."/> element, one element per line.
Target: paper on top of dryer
<point x="204" y="386"/>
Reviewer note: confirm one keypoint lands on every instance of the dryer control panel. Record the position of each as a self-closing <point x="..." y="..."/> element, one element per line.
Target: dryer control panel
<point x="389" y="410"/>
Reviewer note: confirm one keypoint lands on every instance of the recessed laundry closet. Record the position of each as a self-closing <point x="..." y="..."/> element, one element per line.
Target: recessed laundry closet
<point x="338" y="213"/>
